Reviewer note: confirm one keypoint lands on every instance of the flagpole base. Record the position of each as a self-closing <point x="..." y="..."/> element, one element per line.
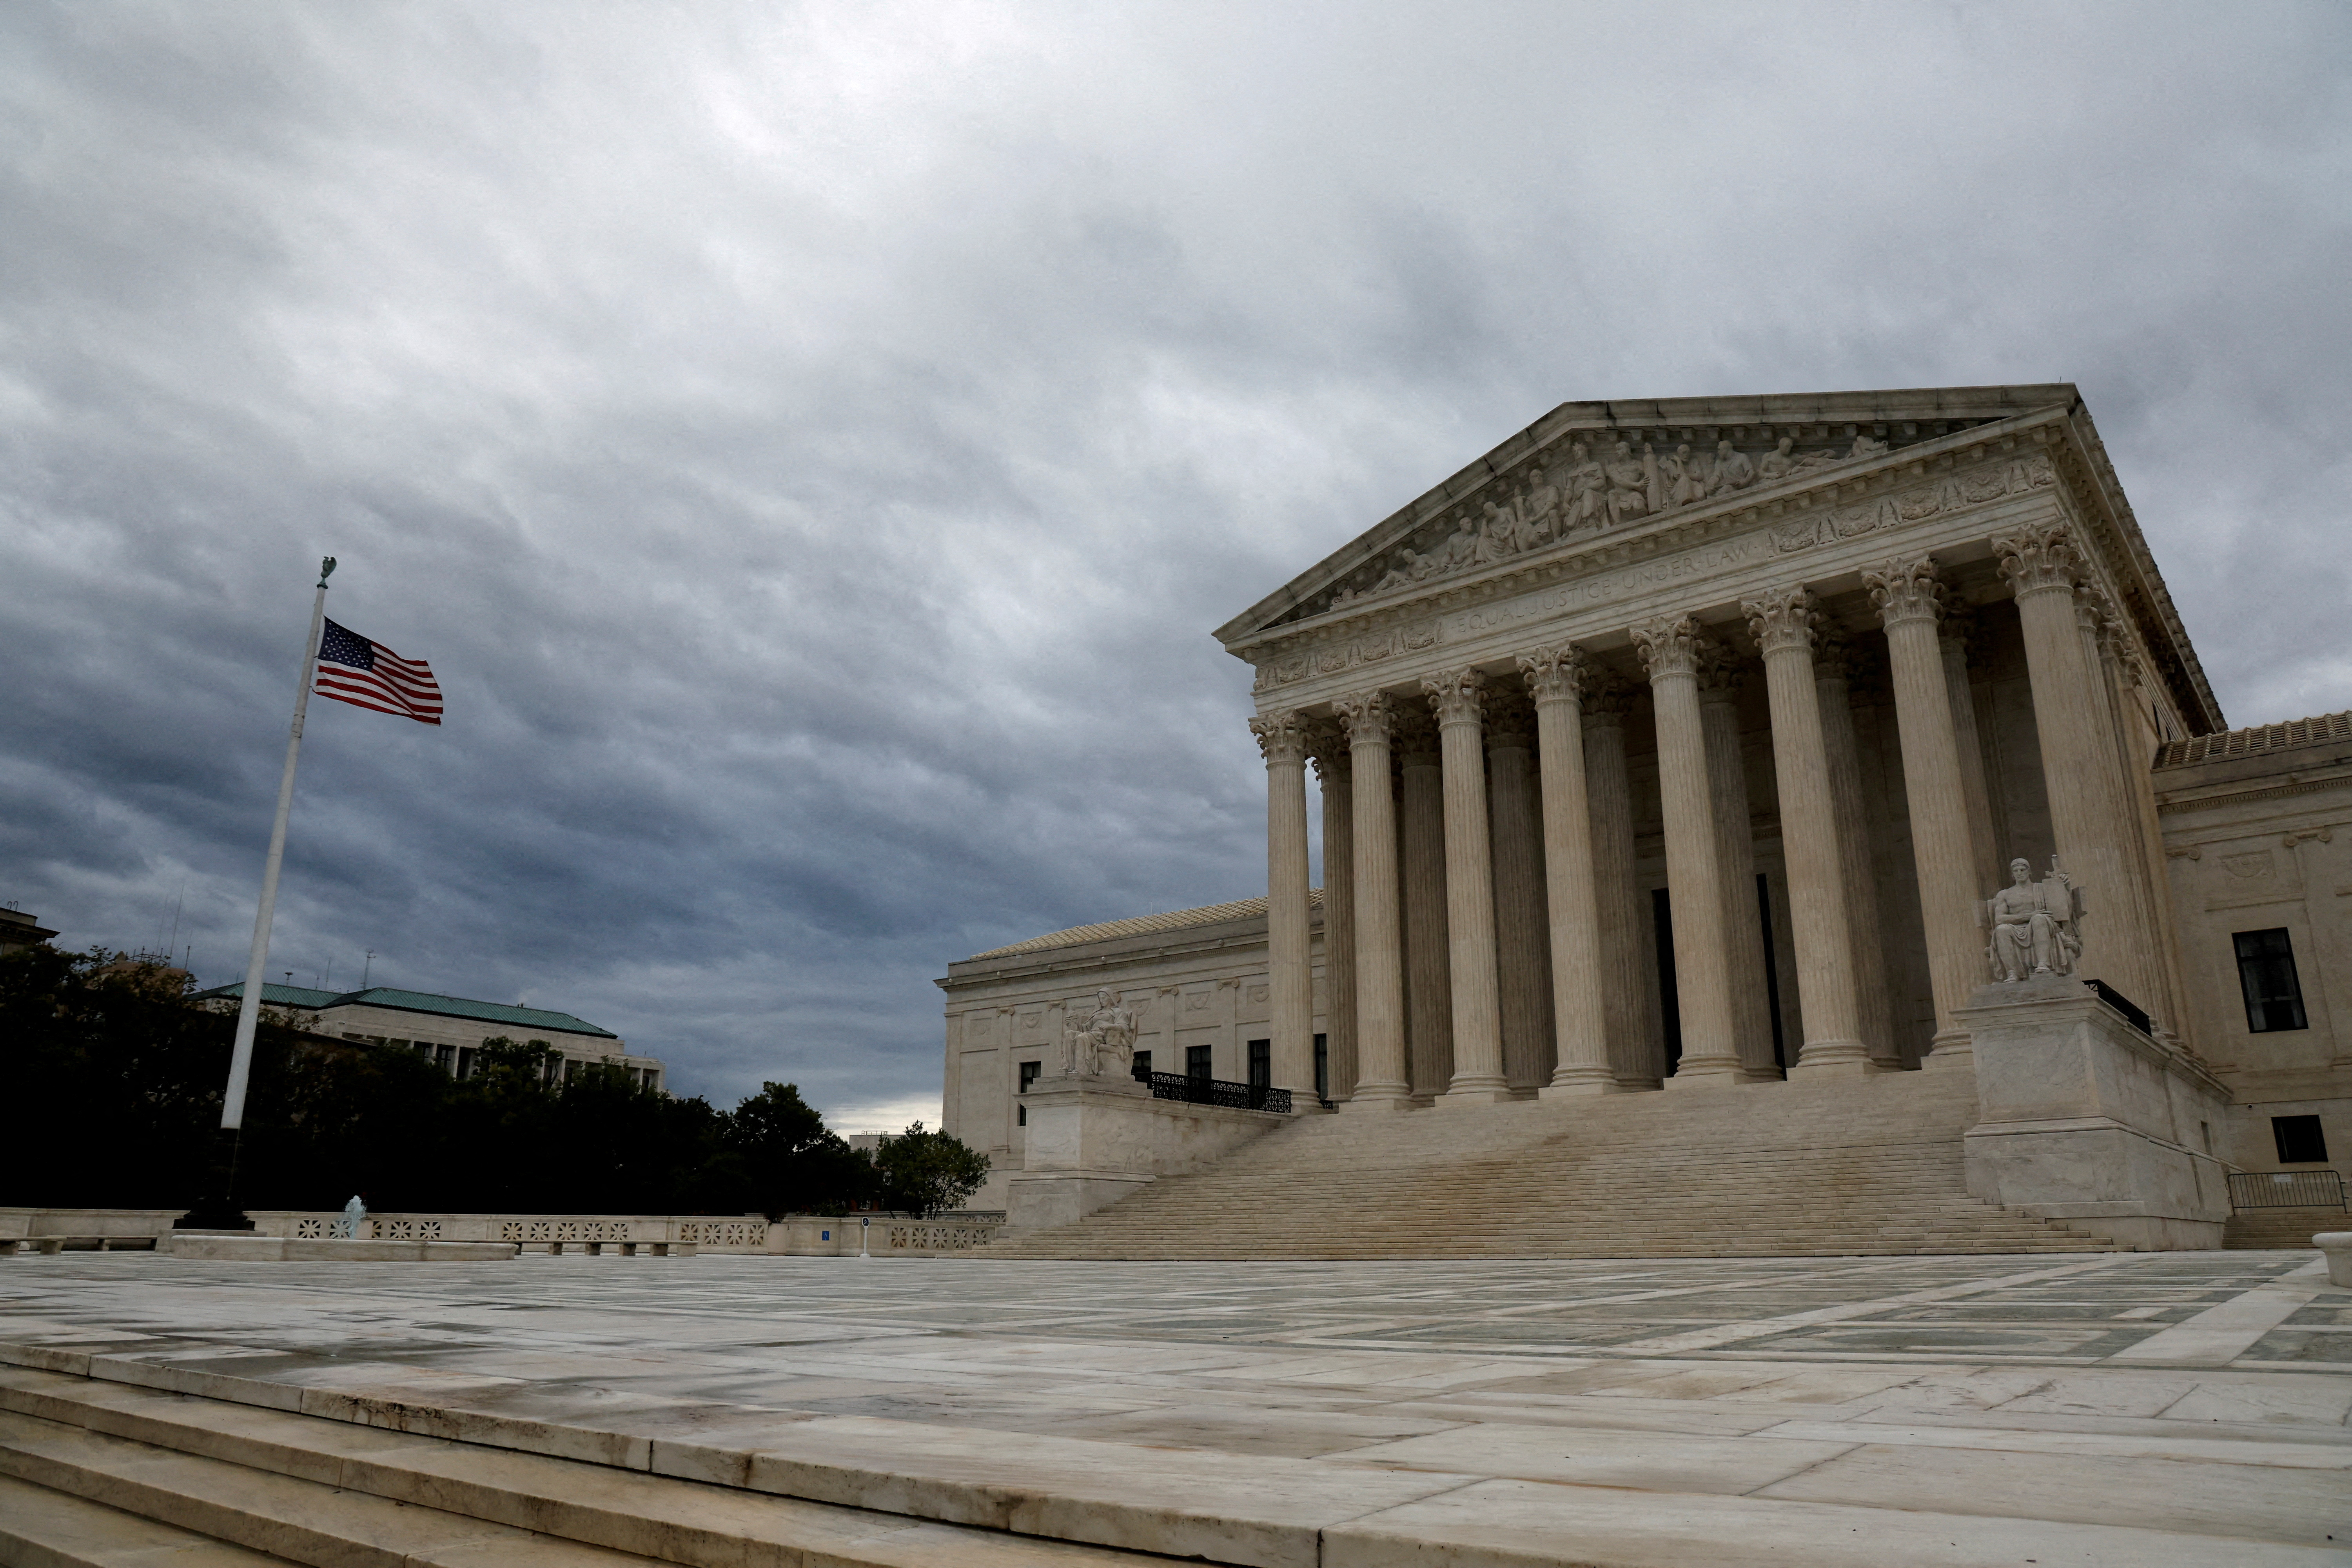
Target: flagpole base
<point x="217" y="1210"/>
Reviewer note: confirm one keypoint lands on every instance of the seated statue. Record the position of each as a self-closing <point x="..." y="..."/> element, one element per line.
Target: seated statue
<point x="2036" y="926"/>
<point x="1102" y="1040"/>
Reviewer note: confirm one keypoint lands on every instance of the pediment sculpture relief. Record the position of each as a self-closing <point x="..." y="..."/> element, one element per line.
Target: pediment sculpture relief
<point x="1597" y="488"/>
<point x="2036" y="926"/>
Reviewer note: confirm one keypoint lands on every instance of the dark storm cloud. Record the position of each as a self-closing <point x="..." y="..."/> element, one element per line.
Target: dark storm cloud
<point x="812" y="446"/>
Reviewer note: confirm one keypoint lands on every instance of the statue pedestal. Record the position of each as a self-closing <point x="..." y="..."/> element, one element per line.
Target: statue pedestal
<point x="2086" y="1120"/>
<point x="1094" y="1137"/>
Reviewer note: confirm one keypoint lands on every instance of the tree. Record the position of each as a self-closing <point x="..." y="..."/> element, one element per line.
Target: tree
<point x="787" y="1160"/>
<point x="924" y="1172"/>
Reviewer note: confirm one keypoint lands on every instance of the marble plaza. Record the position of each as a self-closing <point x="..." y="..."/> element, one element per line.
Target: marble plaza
<point x="2133" y="1410"/>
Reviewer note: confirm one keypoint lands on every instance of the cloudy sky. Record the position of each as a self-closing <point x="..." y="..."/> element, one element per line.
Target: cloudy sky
<point x="813" y="444"/>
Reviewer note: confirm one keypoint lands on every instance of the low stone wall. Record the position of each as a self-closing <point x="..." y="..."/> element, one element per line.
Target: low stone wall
<point x="890" y="1236"/>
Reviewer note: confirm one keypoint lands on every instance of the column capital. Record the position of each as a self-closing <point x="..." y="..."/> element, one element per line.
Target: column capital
<point x="1669" y="645"/>
<point x="1783" y="619"/>
<point x="1906" y="591"/>
<point x="1456" y="696"/>
<point x="1326" y="748"/>
<point x="1608" y="697"/>
<point x="2040" y="559"/>
<point x="1510" y="722"/>
<point x="1416" y="739"/>
<point x="1282" y="737"/>
<point x="1557" y="674"/>
<point x="1368" y="717"/>
<point x="1720" y="674"/>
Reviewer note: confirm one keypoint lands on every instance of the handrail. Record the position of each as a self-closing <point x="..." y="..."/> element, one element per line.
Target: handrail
<point x="2287" y="1190"/>
<point x="1184" y="1087"/>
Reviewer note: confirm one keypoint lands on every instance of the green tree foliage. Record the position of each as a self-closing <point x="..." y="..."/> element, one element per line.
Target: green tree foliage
<point x="114" y="1084"/>
<point x="924" y="1172"/>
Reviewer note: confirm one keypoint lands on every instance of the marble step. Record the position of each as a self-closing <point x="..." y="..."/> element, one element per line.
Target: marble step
<point x="333" y="1495"/>
<point x="45" y="1529"/>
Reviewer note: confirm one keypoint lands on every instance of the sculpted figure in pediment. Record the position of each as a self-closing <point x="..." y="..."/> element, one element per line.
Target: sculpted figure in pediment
<point x="1630" y="478"/>
<point x="1730" y="471"/>
<point x="1588" y="492"/>
<point x="1684" y="475"/>
<point x="1461" y="547"/>
<point x="1778" y="463"/>
<point x="1501" y="534"/>
<point x="1538" y="509"/>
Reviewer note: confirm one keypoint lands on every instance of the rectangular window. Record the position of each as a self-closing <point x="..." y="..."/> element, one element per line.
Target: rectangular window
<point x="1143" y="1064"/>
<point x="2266" y="975"/>
<point x="465" y="1061"/>
<point x="1029" y="1071"/>
<point x="1323" y="1068"/>
<point x="1261" y="1063"/>
<point x="1196" y="1062"/>
<point x="2300" y="1141"/>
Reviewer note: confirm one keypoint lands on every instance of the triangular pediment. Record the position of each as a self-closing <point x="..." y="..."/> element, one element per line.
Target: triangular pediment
<point x="1590" y="473"/>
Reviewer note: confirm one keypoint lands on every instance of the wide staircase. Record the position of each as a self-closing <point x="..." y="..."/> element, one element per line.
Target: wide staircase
<point x="1851" y="1166"/>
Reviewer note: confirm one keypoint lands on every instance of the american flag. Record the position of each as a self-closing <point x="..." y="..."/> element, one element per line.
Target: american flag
<point x="369" y="674"/>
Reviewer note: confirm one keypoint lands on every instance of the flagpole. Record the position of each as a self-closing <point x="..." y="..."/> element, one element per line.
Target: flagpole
<point x="248" y="1010"/>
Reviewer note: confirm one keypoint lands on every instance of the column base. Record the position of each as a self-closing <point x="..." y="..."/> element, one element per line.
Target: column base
<point x="1834" y="1059"/>
<point x="1950" y="1052"/>
<point x="1476" y="1094"/>
<point x="1572" y="1082"/>
<point x="1372" y="1104"/>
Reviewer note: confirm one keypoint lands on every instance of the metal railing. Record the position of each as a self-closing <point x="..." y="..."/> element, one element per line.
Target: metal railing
<point x="2132" y="1012"/>
<point x="1215" y="1092"/>
<point x="2287" y="1190"/>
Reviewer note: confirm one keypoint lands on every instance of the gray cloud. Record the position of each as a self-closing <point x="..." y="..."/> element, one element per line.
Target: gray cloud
<point x="811" y="445"/>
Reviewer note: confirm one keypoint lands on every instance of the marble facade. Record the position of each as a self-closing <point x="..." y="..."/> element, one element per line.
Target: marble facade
<point x="1682" y="744"/>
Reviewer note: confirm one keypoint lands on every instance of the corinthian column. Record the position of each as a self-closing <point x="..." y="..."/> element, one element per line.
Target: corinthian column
<point x="1329" y="755"/>
<point x="1290" y="977"/>
<point x="1458" y="697"/>
<point x="1380" y="951"/>
<point x="1735" y="840"/>
<point x="1522" y="951"/>
<point x="1783" y="623"/>
<point x="2078" y="760"/>
<point x="1910" y="602"/>
<point x="1672" y="647"/>
<point x="1833" y="671"/>
<point x="1555" y="676"/>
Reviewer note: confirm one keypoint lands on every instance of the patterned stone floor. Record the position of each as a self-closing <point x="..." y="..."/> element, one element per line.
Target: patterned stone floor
<point x="2196" y="1398"/>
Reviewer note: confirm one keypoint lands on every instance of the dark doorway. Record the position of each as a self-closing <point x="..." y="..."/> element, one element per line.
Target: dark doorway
<point x="1670" y="1013"/>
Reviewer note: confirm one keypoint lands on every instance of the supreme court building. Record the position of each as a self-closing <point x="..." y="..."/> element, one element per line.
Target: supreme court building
<point x="1681" y="743"/>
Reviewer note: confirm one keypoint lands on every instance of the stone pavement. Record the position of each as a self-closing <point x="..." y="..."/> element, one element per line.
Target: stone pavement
<point x="2124" y="1408"/>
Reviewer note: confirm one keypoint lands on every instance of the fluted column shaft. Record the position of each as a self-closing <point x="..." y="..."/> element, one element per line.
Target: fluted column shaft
<point x="1910" y="602"/>
<point x="1521" y="941"/>
<point x="1784" y="623"/>
<point x="1974" y="788"/>
<point x="1859" y="867"/>
<point x="1458" y="697"/>
<point x="1636" y="1044"/>
<point x="1338" y="778"/>
<point x="2135" y="744"/>
<point x="1735" y="837"/>
<point x="1380" y="1083"/>
<point x="1420" y="837"/>
<point x="2139" y="898"/>
<point x="1671" y="647"/>
<point x="1556" y="676"/>
<point x="1290" y="976"/>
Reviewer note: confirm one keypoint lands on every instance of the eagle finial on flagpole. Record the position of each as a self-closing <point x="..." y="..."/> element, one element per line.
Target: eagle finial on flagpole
<point x="326" y="570"/>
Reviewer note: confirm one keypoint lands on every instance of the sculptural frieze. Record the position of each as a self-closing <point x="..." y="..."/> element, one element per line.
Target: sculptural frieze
<point x="1101" y="1040"/>
<point x="2036" y="926"/>
<point x="1558" y="501"/>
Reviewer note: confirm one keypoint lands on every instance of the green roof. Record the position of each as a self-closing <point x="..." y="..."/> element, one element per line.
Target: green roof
<point x="311" y="1001"/>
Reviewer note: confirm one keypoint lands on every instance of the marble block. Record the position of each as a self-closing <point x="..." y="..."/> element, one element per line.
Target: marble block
<point x="249" y="1248"/>
<point x="2083" y="1119"/>
<point x="1094" y="1137"/>
<point x="2336" y="1246"/>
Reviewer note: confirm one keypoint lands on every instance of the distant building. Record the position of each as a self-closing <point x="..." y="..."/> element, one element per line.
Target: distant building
<point x="451" y="1030"/>
<point x="18" y="929"/>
